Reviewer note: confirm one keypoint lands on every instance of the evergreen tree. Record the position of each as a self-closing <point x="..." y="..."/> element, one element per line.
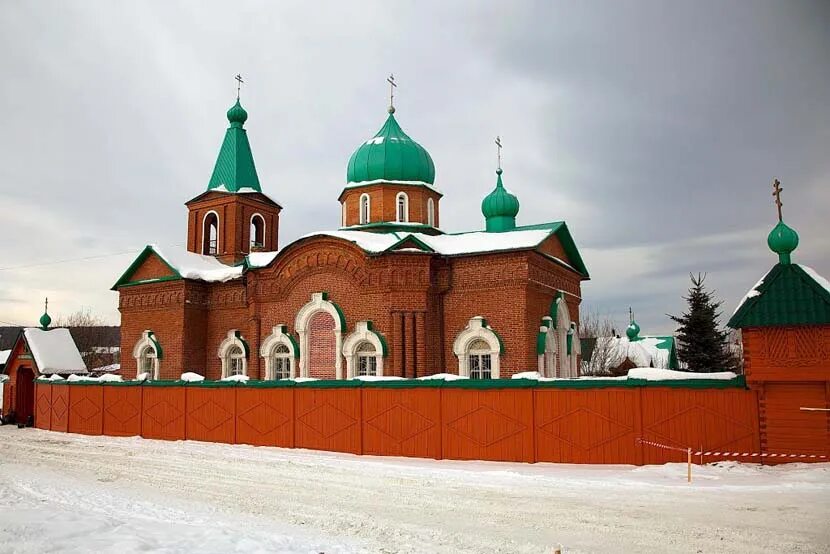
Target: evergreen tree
<point x="701" y="342"/>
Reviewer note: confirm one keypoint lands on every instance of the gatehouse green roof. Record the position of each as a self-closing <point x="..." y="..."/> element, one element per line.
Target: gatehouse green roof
<point x="391" y="155"/>
<point x="235" y="170"/>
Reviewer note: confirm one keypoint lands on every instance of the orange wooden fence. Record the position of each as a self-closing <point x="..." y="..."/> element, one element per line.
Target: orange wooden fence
<point x="583" y="425"/>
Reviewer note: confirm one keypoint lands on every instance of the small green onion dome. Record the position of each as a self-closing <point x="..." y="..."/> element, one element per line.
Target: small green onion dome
<point x="45" y="320"/>
<point x="633" y="331"/>
<point x="391" y="156"/>
<point x="782" y="240"/>
<point x="237" y="114"/>
<point x="500" y="207"/>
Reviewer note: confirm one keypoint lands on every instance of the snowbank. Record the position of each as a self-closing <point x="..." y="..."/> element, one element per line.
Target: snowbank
<point x="106" y="368"/>
<point x="654" y="374"/>
<point x="110" y="378"/>
<point x="191" y="377"/>
<point x="142" y="376"/>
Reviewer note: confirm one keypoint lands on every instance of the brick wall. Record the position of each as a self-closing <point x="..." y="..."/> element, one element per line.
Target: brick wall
<point x="322" y="353"/>
<point x="383" y="203"/>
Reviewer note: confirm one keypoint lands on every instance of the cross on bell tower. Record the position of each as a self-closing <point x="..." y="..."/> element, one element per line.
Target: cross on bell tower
<point x="498" y="151"/>
<point x="392" y="87"/>
<point x="239" y="82"/>
<point x="776" y="192"/>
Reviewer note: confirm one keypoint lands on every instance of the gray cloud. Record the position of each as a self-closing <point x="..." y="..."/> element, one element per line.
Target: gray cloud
<point x="653" y="129"/>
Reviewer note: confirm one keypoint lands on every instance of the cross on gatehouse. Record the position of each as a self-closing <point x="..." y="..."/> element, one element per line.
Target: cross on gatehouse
<point x="46" y="305"/>
<point x="392" y="86"/>
<point x="776" y="192"/>
<point x="239" y="82"/>
<point x="630" y="315"/>
<point x="498" y="150"/>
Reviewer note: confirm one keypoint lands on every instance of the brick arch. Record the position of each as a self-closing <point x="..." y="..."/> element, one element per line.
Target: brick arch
<point x="316" y="331"/>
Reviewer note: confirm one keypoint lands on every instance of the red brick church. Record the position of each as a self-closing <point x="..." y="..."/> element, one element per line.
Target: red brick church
<point x="386" y="293"/>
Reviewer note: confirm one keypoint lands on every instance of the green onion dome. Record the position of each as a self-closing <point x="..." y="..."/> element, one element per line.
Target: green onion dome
<point x="782" y="240"/>
<point x="633" y="331"/>
<point x="45" y="321"/>
<point x="500" y="207"/>
<point x="391" y="156"/>
<point x="237" y="114"/>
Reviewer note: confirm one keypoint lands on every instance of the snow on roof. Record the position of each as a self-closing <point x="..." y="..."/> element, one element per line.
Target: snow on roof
<point x="643" y="352"/>
<point x="353" y="184"/>
<point x="4" y="356"/>
<point x="261" y="259"/>
<point x="105" y="368"/>
<point x="242" y="190"/>
<point x="196" y="266"/>
<point x="449" y="245"/>
<point x="54" y="351"/>
<point x="753" y="292"/>
<point x="815" y="276"/>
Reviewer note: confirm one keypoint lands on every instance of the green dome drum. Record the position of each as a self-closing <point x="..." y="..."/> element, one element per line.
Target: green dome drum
<point x="391" y="156"/>
<point x="500" y="208"/>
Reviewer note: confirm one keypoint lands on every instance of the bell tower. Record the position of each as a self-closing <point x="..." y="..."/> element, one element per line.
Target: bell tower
<point x="233" y="217"/>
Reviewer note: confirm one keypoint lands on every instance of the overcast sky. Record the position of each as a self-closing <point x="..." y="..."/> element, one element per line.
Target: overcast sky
<point x="654" y="129"/>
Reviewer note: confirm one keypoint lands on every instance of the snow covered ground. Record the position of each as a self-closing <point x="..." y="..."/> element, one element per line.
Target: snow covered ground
<point x="72" y="493"/>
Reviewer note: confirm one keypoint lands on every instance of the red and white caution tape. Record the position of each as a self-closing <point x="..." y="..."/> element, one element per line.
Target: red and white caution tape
<point x="713" y="453"/>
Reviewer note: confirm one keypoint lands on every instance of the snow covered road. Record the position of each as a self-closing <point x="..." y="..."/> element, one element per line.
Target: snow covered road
<point x="73" y="493"/>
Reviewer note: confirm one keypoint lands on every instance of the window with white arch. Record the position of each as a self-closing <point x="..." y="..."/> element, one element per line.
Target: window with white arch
<point x="478" y="350"/>
<point x="279" y="349"/>
<point x="233" y="351"/>
<point x="365" y="209"/>
<point x="364" y="351"/>
<point x="257" y="231"/>
<point x="147" y="354"/>
<point x="343" y="214"/>
<point x="210" y="234"/>
<point x="402" y="207"/>
<point x="430" y="212"/>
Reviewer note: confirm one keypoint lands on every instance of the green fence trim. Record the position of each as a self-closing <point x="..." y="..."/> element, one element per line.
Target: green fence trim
<point x="479" y="384"/>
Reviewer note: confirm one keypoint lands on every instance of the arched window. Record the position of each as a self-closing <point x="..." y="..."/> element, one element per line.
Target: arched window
<point x="478" y="349"/>
<point x="257" y="231"/>
<point x="343" y="214"/>
<point x="236" y="361"/>
<point x="320" y="324"/>
<point x="234" y="355"/>
<point x="430" y="212"/>
<point x="365" y="208"/>
<point x="147" y="353"/>
<point x="479" y="361"/>
<point x="367" y="363"/>
<point x="402" y="207"/>
<point x="280" y="351"/>
<point x="210" y="234"/>
<point x="147" y="361"/>
<point x="364" y="350"/>
<point x="281" y="362"/>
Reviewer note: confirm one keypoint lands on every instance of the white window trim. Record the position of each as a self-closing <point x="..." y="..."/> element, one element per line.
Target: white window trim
<point x="343" y="214"/>
<point x="368" y="199"/>
<point x="139" y="348"/>
<point x="476" y="330"/>
<point x="301" y="323"/>
<point x="224" y="350"/>
<point x="430" y="212"/>
<point x="405" y="197"/>
<point x="218" y="229"/>
<point x="251" y="223"/>
<point x="361" y="334"/>
<point x="277" y="337"/>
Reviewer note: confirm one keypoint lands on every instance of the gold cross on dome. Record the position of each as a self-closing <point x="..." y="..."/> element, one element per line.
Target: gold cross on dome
<point x="776" y="192"/>
<point x="498" y="147"/>
<point x="239" y="82"/>
<point x="392" y="86"/>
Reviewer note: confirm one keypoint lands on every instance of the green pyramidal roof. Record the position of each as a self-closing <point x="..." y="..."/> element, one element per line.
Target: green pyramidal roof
<point x="790" y="294"/>
<point x="391" y="156"/>
<point x="235" y="169"/>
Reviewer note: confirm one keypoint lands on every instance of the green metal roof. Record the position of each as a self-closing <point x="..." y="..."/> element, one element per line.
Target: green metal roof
<point x="235" y="169"/>
<point x="787" y="295"/>
<point x="500" y="208"/>
<point x="391" y="156"/>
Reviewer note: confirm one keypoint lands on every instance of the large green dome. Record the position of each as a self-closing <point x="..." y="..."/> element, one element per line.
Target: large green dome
<point x="500" y="207"/>
<point x="391" y="156"/>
